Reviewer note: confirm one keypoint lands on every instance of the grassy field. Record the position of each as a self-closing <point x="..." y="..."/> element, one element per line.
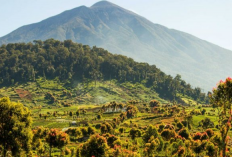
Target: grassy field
<point x="32" y="94"/>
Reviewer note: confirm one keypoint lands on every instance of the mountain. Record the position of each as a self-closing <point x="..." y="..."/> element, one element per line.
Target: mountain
<point x="123" y="32"/>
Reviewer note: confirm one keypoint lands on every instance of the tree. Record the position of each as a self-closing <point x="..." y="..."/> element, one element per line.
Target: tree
<point x="189" y="120"/>
<point x="95" y="146"/>
<point x="70" y="114"/>
<point x="203" y="111"/>
<point x="161" y="127"/>
<point x="179" y="125"/>
<point x="198" y="146"/>
<point x="111" y="139"/>
<point x="168" y="134"/>
<point x="99" y="116"/>
<point x="209" y="132"/>
<point x="150" y="131"/>
<point x="211" y="150"/>
<point x="206" y="123"/>
<point x="77" y="113"/>
<point x="154" y="103"/>
<point x="106" y="128"/>
<point x="75" y="132"/>
<point x="147" y="109"/>
<point x="150" y="148"/>
<point x="15" y="127"/>
<point x="91" y="130"/>
<point x="84" y="132"/>
<point x="121" y="130"/>
<point x="131" y="111"/>
<point x="134" y="132"/>
<point x="56" y="138"/>
<point x="221" y="98"/>
<point x="184" y="133"/>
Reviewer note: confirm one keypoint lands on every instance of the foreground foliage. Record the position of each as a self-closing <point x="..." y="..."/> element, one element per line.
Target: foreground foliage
<point x="15" y="127"/>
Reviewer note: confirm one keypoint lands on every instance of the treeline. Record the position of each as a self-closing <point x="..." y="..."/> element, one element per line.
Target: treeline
<point x="21" y="62"/>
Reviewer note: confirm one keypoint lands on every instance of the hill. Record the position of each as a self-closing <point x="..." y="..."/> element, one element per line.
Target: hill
<point x="78" y="72"/>
<point x="121" y="31"/>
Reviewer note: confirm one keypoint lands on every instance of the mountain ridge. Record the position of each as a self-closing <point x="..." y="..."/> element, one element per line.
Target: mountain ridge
<point x="121" y="31"/>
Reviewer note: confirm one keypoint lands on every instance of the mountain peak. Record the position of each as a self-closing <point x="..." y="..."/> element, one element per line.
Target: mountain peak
<point x="121" y="31"/>
<point x="103" y="3"/>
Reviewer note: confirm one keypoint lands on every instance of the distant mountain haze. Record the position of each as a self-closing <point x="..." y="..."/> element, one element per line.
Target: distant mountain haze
<point x="121" y="31"/>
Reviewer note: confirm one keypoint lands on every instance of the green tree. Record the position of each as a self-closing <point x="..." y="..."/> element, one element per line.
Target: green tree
<point x="75" y="132"/>
<point x="150" y="148"/>
<point x="77" y="113"/>
<point x="99" y="116"/>
<point x="56" y="138"/>
<point x="189" y="120"/>
<point x="154" y="103"/>
<point x="131" y="111"/>
<point x="15" y="127"/>
<point x="221" y="98"/>
<point x="168" y="134"/>
<point x="203" y="111"/>
<point x="184" y="133"/>
<point x="206" y="123"/>
<point x="150" y="131"/>
<point x="134" y="132"/>
<point x="95" y="146"/>
<point x="211" y="150"/>
<point x="70" y="114"/>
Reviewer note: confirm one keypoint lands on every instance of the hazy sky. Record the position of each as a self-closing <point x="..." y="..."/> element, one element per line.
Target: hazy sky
<point x="210" y="20"/>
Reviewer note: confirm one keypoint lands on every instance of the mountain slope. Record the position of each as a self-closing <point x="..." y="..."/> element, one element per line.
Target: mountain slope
<point x="78" y="65"/>
<point x="124" y="32"/>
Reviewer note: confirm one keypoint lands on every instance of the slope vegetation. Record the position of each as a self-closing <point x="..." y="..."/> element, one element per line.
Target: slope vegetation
<point x="76" y="67"/>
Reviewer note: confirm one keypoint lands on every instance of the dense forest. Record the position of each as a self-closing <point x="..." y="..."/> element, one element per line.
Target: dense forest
<point x="22" y="62"/>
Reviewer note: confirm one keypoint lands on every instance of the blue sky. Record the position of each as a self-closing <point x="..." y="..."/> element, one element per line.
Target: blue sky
<point x="209" y="20"/>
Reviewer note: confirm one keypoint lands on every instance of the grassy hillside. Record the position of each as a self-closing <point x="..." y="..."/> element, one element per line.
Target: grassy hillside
<point x="33" y="93"/>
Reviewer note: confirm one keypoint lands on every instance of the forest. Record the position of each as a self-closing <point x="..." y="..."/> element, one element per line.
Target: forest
<point x="67" y="60"/>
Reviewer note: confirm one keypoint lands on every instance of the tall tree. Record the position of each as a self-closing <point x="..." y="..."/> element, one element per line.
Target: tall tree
<point x="222" y="98"/>
<point x="56" y="138"/>
<point x="15" y="127"/>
